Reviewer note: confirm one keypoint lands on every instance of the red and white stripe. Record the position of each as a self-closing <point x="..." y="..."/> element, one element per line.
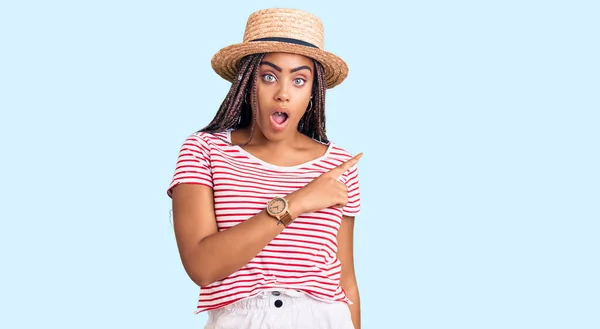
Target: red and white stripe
<point x="303" y="256"/>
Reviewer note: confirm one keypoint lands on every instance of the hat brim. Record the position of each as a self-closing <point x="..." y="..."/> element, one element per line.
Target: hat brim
<point x="225" y="61"/>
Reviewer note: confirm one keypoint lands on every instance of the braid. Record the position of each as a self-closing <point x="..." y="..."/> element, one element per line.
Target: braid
<point x="254" y="104"/>
<point x="312" y="123"/>
<point x="236" y="111"/>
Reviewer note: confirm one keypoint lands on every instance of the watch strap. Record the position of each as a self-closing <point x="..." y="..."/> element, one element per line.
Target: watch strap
<point x="285" y="219"/>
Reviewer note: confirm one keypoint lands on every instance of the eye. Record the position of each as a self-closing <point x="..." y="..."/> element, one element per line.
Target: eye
<point x="269" y="77"/>
<point x="299" y="81"/>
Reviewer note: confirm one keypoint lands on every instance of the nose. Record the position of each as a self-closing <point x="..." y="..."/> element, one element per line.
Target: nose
<point x="282" y="94"/>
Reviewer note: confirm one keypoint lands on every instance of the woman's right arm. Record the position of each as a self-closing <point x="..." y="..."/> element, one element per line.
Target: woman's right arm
<point x="207" y="254"/>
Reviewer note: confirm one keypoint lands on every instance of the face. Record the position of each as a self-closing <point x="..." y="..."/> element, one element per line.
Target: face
<point x="283" y="88"/>
<point x="276" y="206"/>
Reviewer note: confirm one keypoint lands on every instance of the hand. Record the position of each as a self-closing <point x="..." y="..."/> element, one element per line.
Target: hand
<point x="323" y="192"/>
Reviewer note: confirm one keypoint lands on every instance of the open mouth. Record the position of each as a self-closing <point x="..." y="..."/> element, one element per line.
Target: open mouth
<point x="279" y="117"/>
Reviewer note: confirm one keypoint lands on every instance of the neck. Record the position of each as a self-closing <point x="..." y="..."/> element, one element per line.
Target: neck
<point x="259" y="140"/>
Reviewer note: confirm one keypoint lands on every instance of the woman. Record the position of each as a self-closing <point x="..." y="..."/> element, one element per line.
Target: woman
<point x="263" y="203"/>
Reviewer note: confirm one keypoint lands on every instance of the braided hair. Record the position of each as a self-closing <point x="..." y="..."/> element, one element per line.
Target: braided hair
<point x="236" y="111"/>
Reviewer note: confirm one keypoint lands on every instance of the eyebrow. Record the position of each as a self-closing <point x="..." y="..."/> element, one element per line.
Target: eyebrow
<point x="303" y="67"/>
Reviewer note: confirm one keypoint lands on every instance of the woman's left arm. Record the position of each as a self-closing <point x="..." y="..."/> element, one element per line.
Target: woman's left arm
<point x="345" y="240"/>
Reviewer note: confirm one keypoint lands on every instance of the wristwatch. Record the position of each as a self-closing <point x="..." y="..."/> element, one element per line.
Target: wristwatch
<point x="278" y="208"/>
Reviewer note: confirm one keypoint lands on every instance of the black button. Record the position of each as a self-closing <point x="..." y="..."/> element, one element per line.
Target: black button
<point x="276" y="293"/>
<point x="278" y="303"/>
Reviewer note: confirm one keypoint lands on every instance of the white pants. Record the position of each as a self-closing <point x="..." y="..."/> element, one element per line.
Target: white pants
<point x="281" y="309"/>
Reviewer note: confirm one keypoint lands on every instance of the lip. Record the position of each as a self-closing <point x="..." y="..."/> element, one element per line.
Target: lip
<point x="275" y="125"/>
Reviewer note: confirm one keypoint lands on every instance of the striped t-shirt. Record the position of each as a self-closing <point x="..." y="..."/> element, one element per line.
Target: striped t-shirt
<point x="303" y="255"/>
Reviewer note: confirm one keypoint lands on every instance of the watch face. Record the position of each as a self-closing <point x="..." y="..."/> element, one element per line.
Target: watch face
<point x="276" y="206"/>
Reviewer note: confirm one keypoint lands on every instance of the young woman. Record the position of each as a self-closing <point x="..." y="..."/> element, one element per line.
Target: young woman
<point x="263" y="202"/>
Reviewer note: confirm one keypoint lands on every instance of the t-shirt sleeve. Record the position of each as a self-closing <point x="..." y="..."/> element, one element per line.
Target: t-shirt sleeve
<point x="193" y="164"/>
<point x="352" y="208"/>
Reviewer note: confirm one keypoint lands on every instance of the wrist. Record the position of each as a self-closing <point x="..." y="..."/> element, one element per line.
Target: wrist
<point x="294" y="205"/>
<point x="280" y="209"/>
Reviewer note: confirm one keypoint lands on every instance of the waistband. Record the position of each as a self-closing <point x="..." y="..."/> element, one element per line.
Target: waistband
<point x="275" y="299"/>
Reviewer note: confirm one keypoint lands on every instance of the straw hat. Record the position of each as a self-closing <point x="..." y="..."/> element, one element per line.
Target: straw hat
<point x="281" y="30"/>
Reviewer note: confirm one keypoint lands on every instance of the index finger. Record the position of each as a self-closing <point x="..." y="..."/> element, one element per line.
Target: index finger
<point x="348" y="164"/>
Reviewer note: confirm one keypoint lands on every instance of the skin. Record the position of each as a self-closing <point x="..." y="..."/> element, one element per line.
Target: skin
<point x="288" y="90"/>
<point x="284" y="82"/>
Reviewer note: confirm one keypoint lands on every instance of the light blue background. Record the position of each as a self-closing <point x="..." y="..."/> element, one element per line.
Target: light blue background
<point x="480" y="184"/>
